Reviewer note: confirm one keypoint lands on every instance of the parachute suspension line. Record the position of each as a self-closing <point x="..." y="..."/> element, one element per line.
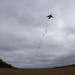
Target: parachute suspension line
<point x="40" y="44"/>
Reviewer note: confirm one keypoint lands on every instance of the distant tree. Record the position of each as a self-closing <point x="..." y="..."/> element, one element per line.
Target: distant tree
<point x="3" y="64"/>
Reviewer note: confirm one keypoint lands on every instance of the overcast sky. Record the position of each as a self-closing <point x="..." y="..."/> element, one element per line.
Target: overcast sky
<point x="22" y="24"/>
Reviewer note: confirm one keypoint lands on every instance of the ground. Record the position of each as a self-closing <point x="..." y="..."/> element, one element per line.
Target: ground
<point x="55" y="71"/>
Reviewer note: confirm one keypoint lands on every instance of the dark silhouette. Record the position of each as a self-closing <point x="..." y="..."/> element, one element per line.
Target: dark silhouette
<point x="5" y="65"/>
<point x="50" y="16"/>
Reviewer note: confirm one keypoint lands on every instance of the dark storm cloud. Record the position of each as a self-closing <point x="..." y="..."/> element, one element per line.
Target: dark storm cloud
<point x="22" y="24"/>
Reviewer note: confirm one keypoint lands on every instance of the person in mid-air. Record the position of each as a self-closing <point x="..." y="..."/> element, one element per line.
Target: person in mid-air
<point x="50" y="16"/>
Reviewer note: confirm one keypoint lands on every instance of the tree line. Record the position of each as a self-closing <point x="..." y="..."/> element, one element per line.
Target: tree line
<point x="3" y="64"/>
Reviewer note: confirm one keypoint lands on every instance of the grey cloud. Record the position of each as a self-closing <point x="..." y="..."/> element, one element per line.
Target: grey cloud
<point x="22" y="24"/>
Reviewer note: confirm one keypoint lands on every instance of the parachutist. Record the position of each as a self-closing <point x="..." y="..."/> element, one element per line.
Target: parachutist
<point x="50" y="16"/>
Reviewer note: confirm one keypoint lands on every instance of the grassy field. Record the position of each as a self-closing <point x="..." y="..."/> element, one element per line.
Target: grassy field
<point x="56" y="71"/>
